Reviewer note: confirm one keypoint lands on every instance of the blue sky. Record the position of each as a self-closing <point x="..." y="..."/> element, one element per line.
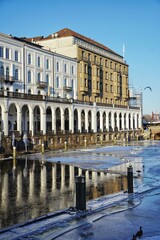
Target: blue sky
<point x="135" y="23"/>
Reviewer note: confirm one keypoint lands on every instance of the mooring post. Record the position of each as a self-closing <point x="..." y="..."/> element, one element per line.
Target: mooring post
<point x="80" y="193"/>
<point x="65" y="146"/>
<point x="14" y="152"/>
<point x="130" y="179"/>
<point x="42" y="148"/>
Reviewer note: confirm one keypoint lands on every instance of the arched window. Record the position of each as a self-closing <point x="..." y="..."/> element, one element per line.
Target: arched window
<point x="7" y="73"/>
<point x="72" y="84"/>
<point x="29" y="59"/>
<point x="47" y="63"/>
<point x="72" y="70"/>
<point x="57" y="82"/>
<point x="2" y="70"/>
<point x="65" y="82"/>
<point x="16" y="74"/>
<point x="29" y="76"/>
<point x="58" y="67"/>
<point x="39" y="77"/>
<point x="65" y="67"/>
<point x="16" y="56"/>
<point x="39" y="62"/>
<point x="47" y="79"/>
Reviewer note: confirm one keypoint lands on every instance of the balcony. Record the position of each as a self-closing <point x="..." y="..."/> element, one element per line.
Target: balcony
<point x="7" y="79"/>
<point x="41" y="85"/>
<point x="67" y="89"/>
<point x="83" y="89"/>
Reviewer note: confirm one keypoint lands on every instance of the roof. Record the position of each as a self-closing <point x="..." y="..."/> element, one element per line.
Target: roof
<point x="66" y="32"/>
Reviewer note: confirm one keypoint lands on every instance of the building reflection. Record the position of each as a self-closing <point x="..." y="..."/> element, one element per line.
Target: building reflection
<point x="31" y="188"/>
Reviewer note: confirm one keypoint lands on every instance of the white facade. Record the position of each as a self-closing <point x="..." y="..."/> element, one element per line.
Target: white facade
<point x="27" y="68"/>
<point x="38" y="92"/>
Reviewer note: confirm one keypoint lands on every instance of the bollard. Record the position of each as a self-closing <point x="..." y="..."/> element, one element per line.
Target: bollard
<point x="85" y="142"/>
<point x="65" y="146"/>
<point x="115" y="140"/>
<point x="14" y="152"/>
<point x="130" y="179"/>
<point x="101" y="142"/>
<point x="80" y="193"/>
<point x="42" y="148"/>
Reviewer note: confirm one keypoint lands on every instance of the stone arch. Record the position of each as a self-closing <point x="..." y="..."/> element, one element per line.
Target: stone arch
<point x="125" y="122"/>
<point x="129" y="121"/>
<point x="58" y="119"/>
<point x="25" y="118"/>
<point x="120" y="121"/>
<point x="110" y="121"/>
<point x="89" y="121"/>
<point x="37" y="120"/>
<point x="98" y="121"/>
<point x="75" y="120"/>
<point x="83" y="121"/>
<point x="104" y="121"/>
<point x="66" y="119"/>
<point x="48" y="119"/>
<point x="12" y="117"/>
<point x="115" y="122"/>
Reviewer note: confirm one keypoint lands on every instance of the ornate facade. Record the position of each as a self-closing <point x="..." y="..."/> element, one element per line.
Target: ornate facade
<point x="102" y="73"/>
<point x="39" y="88"/>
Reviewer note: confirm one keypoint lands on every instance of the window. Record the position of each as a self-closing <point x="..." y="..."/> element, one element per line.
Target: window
<point x="106" y="87"/>
<point x="47" y="79"/>
<point x="72" y="83"/>
<point x="97" y="85"/>
<point x="47" y="63"/>
<point x="65" y="67"/>
<point x="39" y="77"/>
<point x="72" y="70"/>
<point x="85" y="68"/>
<point x="89" y="57"/>
<point x="111" y="65"/>
<point x="7" y="73"/>
<point x="106" y="75"/>
<point x="7" y="53"/>
<point x="85" y="82"/>
<point x="83" y="54"/>
<point x="1" y="51"/>
<point x="57" y="82"/>
<point x="106" y="63"/>
<point x="111" y="88"/>
<point x="39" y="62"/>
<point x="16" y="74"/>
<point x="29" y="91"/>
<point x="65" y="82"/>
<point x="98" y="72"/>
<point x="101" y="61"/>
<point x="111" y="76"/>
<point x="29" y="59"/>
<point x="29" y="76"/>
<point x="58" y="66"/>
<point x="2" y="70"/>
<point x="16" y="56"/>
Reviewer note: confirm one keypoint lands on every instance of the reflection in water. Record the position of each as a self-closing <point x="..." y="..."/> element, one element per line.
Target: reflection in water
<point x="31" y="188"/>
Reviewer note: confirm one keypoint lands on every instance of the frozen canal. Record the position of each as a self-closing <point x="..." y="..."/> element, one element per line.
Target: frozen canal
<point x="120" y="216"/>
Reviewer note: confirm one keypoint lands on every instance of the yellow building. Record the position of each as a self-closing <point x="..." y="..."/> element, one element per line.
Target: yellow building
<point x="102" y="73"/>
